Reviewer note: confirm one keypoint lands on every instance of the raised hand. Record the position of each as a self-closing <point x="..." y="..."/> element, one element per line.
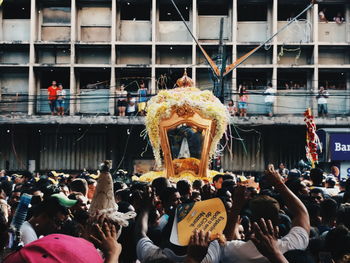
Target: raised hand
<point x="265" y="237"/>
<point x="198" y="247"/>
<point x="106" y="240"/>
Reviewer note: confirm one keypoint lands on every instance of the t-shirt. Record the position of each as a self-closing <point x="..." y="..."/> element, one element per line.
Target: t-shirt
<point x="28" y="233"/>
<point x="242" y="252"/>
<point x="270" y="95"/>
<point x="146" y="250"/>
<point x="131" y="105"/>
<point x="52" y="92"/>
<point x="143" y="95"/>
<point x="322" y="97"/>
<point x="61" y="93"/>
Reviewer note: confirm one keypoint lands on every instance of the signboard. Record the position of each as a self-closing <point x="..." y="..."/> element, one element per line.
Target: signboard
<point x="340" y="146"/>
<point x="209" y="215"/>
<point x="345" y="170"/>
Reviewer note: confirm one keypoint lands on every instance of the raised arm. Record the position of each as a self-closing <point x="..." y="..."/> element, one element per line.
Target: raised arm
<point x="233" y="215"/>
<point x="295" y="206"/>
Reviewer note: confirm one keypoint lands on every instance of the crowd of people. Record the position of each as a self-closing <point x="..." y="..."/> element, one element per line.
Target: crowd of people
<point x="288" y="216"/>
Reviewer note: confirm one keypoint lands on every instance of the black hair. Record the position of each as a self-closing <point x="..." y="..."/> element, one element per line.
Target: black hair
<point x="299" y="256"/>
<point x="328" y="209"/>
<point x="167" y="194"/>
<point x="51" y="206"/>
<point x="343" y="215"/>
<point x="159" y="184"/>
<point x="338" y="242"/>
<point x="317" y="191"/>
<point x="316" y="175"/>
<point x="79" y="185"/>
<point x="184" y="187"/>
<point x="217" y="177"/>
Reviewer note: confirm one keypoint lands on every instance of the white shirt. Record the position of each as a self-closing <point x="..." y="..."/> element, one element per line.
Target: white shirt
<point x="131" y="108"/>
<point x="271" y="97"/>
<point x="28" y="233"/>
<point x="246" y="252"/>
<point x="145" y="249"/>
<point x="323" y="100"/>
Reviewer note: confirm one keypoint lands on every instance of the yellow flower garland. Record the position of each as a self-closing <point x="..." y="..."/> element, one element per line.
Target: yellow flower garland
<point x="160" y="106"/>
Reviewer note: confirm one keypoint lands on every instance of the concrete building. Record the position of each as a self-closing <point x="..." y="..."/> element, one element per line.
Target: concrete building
<point x="94" y="46"/>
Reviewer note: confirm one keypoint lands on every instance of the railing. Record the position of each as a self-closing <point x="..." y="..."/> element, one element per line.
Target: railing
<point x="96" y="101"/>
<point x="332" y="32"/>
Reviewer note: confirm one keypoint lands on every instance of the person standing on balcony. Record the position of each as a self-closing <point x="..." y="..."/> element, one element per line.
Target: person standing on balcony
<point x="52" y="96"/>
<point x="242" y="102"/>
<point x="121" y="100"/>
<point x="142" y="98"/>
<point x="232" y="109"/>
<point x="322" y="102"/>
<point x="61" y="96"/>
<point x="131" y="108"/>
<point x="270" y="98"/>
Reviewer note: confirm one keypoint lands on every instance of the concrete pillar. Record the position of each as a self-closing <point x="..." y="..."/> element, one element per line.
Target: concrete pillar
<point x="194" y="45"/>
<point x="347" y="19"/>
<point x="314" y="88"/>
<point x="112" y="88"/>
<point x="154" y="38"/>
<point x="234" y="48"/>
<point x="32" y="92"/>
<point x="275" y="51"/>
<point x="72" y="81"/>
<point x="1" y="26"/>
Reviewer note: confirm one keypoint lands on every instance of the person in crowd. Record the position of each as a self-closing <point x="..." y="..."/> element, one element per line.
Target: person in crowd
<point x="61" y="96"/>
<point x="48" y="218"/>
<point x="121" y="97"/>
<point x="142" y="92"/>
<point x="232" y="109"/>
<point x="322" y="97"/>
<point x="131" y="108"/>
<point x="52" y="96"/>
<point x="217" y="181"/>
<point x="339" y="19"/>
<point x="269" y="99"/>
<point x="283" y="170"/>
<point x="270" y="222"/>
<point x="242" y="101"/>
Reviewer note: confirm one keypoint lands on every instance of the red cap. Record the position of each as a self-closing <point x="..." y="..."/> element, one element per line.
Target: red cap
<point x="56" y="248"/>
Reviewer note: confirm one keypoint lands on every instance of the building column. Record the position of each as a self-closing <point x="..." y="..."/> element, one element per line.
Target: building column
<point x="112" y="87"/>
<point x="194" y="45"/>
<point x="234" y="49"/>
<point x="275" y="51"/>
<point x="72" y="81"/>
<point x="154" y="38"/>
<point x="32" y="92"/>
<point x="314" y="88"/>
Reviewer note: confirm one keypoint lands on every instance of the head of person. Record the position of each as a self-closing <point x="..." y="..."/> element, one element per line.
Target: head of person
<point x="342" y="184"/>
<point x="317" y="195"/>
<point x="343" y="215"/>
<point x="299" y="256"/>
<point x="197" y="185"/>
<point x="266" y="207"/>
<point x="54" y="83"/>
<point x="79" y="185"/>
<point x="298" y="187"/>
<point x="27" y="176"/>
<point x="316" y="175"/>
<point x="230" y="103"/>
<point x="159" y="184"/>
<point x="184" y="187"/>
<point x="338" y="243"/>
<point x="217" y="181"/>
<point x="14" y="198"/>
<point x="49" y="216"/>
<point x="330" y="182"/>
<point x="282" y="166"/>
<point x="91" y="187"/>
<point x="60" y="85"/>
<point x="321" y="88"/>
<point x="170" y="198"/>
<point x="81" y="205"/>
<point x="329" y="211"/>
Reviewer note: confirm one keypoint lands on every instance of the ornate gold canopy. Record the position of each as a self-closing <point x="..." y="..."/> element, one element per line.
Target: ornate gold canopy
<point x="186" y="124"/>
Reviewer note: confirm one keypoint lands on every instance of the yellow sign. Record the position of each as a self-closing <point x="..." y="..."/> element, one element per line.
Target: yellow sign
<point x="209" y="215"/>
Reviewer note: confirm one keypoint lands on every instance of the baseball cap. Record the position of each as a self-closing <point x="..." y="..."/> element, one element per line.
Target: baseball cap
<point x="64" y="200"/>
<point x="56" y="248"/>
